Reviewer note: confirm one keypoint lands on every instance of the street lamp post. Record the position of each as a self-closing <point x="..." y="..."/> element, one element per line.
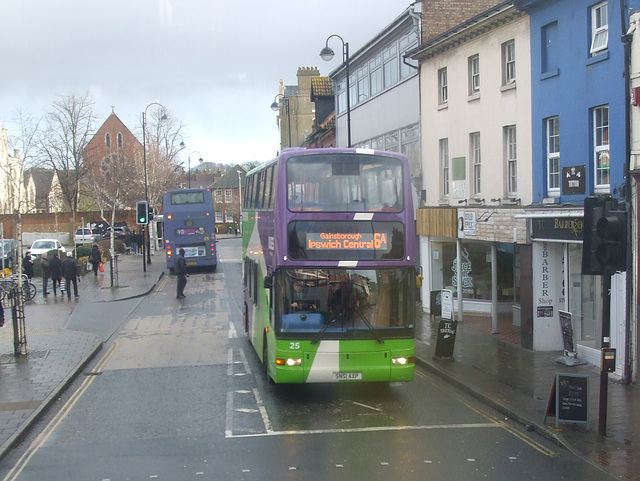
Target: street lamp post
<point x="189" y="164"/>
<point x="146" y="183"/>
<point x="276" y="107"/>
<point x="327" y="54"/>
<point x="239" y="172"/>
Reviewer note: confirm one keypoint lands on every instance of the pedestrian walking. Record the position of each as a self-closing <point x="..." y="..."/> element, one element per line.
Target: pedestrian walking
<point x="134" y="242"/>
<point x="55" y="268"/>
<point x="27" y="265"/>
<point x="96" y="258"/>
<point x="70" y="273"/>
<point x="45" y="269"/>
<point x="181" y="272"/>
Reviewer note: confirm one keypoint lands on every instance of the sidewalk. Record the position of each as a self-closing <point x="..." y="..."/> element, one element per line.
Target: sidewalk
<point x="492" y="367"/>
<point x="517" y="382"/>
<point x="56" y="354"/>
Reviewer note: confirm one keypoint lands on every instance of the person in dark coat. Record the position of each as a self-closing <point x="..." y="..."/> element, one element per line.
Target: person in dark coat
<point x="55" y="268"/>
<point x="70" y="273"/>
<point x="45" y="269"/>
<point x="96" y="258"/>
<point x="181" y="273"/>
<point x="27" y="265"/>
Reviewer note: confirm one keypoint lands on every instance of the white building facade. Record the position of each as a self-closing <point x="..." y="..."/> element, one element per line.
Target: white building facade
<point x="475" y="92"/>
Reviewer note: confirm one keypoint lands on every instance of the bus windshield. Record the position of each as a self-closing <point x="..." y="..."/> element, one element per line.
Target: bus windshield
<point x="339" y="303"/>
<point x="344" y="183"/>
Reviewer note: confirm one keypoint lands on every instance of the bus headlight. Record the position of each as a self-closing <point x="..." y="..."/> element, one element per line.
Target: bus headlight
<point x="403" y="360"/>
<point x="290" y="361"/>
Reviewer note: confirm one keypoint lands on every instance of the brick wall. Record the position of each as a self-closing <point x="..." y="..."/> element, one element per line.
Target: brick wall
<point x="439" y="16"/>
<point x="61" y="225"/>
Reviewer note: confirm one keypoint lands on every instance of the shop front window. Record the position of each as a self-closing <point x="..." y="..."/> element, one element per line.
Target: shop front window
<point x="475" y="275"/>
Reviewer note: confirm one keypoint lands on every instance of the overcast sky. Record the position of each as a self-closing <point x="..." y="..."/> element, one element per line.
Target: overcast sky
<point x="215" y="65"/>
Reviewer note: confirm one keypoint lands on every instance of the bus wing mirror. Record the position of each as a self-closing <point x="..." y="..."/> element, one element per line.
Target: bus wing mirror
<point x="268" y="282"/>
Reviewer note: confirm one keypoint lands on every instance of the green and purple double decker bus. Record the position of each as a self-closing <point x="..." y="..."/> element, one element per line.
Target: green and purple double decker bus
<point x="329" y="269"/>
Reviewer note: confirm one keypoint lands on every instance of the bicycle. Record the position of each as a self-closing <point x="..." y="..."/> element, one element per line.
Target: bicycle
<point x="7" y="284"/>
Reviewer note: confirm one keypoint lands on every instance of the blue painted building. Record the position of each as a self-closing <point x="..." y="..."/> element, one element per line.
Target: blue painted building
<point x="580" y="140"/>
<point x="578" y="99"/>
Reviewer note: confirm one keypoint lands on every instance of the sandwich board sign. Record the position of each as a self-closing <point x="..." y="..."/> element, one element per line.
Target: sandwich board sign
<point x="569" y="399"/>
<point x="446" y="328"/>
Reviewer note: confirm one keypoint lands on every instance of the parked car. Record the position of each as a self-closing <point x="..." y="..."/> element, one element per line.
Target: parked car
<point x="85" y="236"/>
<point x="119" y="233"/>
<point x="8" y="253"/>
<point x="41" y="246"/>
<point x="97" y="233"/>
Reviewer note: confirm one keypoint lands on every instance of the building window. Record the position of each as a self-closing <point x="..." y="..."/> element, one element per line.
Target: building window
<point x="601" y="148"/>
<point x="476" y="159"/>
<point x="353" y="91"/>
<point x="508" y="62"/>
<point x="363" y="84"/>
<point x="228" y="196"/>
<point x="553" y="157"/>
<point x="444" y="163"/>
<point x="107" y="141"/>
<point x="599" y="28"/>
<point x="511" y="152"/>
<point x="405" y="44"/>
<point x="218" y="198"/>
<point x="549" y="47"/>
<point x="390" y="65"/>
<point x="342" y="97"/>
<point x="375" y="75"/>
<point x="443" y="91"/>
<point x="474" y="74"/>
<point x="119" y="140"/>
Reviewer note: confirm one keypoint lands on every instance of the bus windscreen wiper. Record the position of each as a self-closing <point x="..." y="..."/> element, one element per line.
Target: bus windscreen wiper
<point x="372" y="329"/>
<point x="316" y="339"/>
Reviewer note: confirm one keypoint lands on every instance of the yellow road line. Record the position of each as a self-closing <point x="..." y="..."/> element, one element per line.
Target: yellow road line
<point x="55" y="422"/>
<point x="513" y="431"/>
<point x="163" y="283"/>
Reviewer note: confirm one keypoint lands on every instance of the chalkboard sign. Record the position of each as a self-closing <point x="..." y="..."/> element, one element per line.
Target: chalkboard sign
<point x="569" y="399"/>
<point x="446" y="339"/>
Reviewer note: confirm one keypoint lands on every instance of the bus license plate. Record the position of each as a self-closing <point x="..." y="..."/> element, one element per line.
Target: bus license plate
<point x="347" y="376"/>
<point x="191" y="263"/>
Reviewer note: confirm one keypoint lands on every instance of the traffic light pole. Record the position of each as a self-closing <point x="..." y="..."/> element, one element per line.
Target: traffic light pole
<point x="606" y="342"/>
<point x="144" y="248"/>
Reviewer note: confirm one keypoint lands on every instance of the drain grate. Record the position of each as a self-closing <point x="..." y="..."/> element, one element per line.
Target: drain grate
<point x="11" y="359"/>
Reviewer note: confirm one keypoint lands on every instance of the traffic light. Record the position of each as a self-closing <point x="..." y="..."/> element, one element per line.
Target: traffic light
<point x="150" y="216"/>
<point x="142" y="212"/>
<point x="604" y="246"/>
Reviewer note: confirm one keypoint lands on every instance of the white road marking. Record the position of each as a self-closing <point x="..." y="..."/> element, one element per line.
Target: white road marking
<point x="271" y="432"/>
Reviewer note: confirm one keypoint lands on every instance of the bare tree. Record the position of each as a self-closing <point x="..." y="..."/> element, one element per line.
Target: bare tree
<point x="24" y="146"/>
<point x="68" y="128"/>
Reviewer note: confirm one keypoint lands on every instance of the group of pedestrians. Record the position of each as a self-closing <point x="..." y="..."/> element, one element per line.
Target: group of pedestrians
<point x="57" y="270"/>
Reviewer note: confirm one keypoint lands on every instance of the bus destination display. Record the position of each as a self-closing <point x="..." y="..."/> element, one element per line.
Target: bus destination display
<point x="190" y="231"/>
<point x="346" y="241"/>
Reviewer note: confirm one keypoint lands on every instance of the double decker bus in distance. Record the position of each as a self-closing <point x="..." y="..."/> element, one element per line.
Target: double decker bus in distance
<point x="329" y="270"/>
<point x="189" y="223"/>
